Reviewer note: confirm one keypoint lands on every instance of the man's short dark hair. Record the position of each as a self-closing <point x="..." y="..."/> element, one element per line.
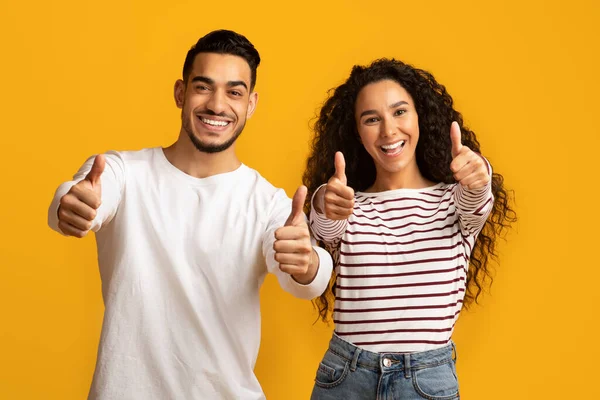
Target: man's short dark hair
<point x="224" y="42"/>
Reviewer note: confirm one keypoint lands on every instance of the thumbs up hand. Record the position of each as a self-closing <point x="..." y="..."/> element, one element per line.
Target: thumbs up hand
<point x="468" y="167"/>
<point x="293" y="248"/>
<point x="78" y="207"/>
<point x="336" y="199"/>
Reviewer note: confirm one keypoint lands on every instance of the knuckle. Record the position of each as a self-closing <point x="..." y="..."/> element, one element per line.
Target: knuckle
<point x="66" y="199"/>
<point x="74" y="189"/>
<point x="329" y="196"/>
<point x="77" y="189"/>
<point x="62" y="213"/>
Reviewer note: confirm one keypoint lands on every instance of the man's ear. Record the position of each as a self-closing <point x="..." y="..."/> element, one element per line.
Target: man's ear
<point x="252" y="102"/>
<point x="179" y="93"/>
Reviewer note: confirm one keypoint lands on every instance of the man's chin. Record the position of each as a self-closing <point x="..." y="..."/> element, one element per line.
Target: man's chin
<point x="216" y="143"/>
<point x="212" y="146"/>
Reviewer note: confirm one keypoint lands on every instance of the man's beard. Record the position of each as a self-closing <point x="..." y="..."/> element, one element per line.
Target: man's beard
<point x="211" y="148"/>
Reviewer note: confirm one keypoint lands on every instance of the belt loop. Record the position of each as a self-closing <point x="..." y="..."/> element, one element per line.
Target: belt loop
<point x="407" y="365"/>
<point x="355" y="359"/>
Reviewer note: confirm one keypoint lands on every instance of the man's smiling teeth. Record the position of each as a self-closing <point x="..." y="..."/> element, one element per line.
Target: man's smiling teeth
<point x="391" y="147"/>
<point x="214" y="123"/>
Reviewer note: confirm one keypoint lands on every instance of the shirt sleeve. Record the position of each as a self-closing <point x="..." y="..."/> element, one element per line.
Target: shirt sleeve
<point x="325" y="229"/>
<point x="112" y="183"/>
<point x="473" y="206"/>
<point x="279" y="212"/>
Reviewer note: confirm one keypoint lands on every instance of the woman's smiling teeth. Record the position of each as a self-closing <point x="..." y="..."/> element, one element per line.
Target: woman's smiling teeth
<point x="394" y="148"/>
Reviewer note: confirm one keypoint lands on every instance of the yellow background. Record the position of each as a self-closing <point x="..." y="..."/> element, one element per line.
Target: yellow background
<point x="79" y="78"/>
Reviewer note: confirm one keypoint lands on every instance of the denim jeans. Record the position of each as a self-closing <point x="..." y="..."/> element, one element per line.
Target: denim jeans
<point x="350" y="373"/>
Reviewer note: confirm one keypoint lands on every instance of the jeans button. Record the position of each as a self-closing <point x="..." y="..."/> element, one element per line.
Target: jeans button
<point x="387" y="362"/>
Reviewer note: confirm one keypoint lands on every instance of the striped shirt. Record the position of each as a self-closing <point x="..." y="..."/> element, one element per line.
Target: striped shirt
<point x="401" y="264"/>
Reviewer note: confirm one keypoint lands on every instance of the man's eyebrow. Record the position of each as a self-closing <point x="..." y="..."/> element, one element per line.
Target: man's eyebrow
<point x="210" y="81"/>
<point x="204" y="79"/>
<point x="237" y="83"/>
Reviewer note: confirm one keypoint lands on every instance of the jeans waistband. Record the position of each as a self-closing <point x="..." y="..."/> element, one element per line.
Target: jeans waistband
<point x="391" y="361"/>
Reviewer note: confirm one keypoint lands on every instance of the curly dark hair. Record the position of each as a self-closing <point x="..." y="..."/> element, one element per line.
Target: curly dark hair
<point x="335" y="130"/>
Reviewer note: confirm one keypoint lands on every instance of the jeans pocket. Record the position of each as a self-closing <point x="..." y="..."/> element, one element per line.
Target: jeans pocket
<point x="332" y="370"/>
<point x="438" y="382"/>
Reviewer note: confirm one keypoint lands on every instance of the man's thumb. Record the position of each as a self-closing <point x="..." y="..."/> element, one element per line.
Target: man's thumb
<point x="97" y="169"/>
<point x="297" y="215"/>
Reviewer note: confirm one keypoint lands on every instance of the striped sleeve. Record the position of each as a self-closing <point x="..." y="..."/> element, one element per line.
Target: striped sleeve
<point x="323" y="228"/>
<point x="473" y="206"/>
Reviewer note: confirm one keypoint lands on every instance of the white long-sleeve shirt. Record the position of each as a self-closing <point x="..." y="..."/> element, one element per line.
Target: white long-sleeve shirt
<point x="182" y="260"/>
<point x="401" y="264"/>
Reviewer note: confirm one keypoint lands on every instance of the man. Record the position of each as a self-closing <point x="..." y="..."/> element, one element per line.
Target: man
<point x="185" y="237"/>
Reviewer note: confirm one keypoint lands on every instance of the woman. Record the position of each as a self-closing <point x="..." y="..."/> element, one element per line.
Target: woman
<point x="411" y="211"/>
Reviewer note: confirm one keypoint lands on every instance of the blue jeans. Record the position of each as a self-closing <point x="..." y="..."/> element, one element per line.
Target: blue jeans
<point x="350" y="373"/>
